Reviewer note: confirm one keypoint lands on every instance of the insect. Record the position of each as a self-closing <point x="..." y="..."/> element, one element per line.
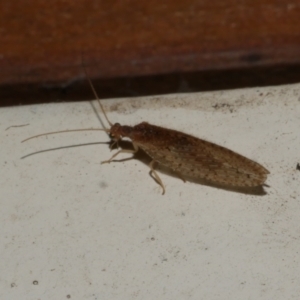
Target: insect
<point x="186" y="155"/>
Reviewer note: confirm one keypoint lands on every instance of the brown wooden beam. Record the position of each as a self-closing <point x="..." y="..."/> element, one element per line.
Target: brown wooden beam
<point x="45" y="41"/>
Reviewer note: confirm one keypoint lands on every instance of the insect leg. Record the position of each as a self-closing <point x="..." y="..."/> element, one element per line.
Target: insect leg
<point x="155" y="175"/>
<point x="136" y="148"/>
<point x="113" y="144"/>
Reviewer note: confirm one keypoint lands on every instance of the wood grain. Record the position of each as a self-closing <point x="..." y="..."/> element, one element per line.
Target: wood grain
<point x="44" y="41"/>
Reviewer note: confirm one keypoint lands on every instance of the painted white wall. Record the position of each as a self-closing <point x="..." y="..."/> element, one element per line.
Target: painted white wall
<point x="71" y="227"/>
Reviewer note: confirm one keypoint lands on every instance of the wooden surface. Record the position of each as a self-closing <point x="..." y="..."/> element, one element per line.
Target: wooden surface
<point x="45" y="42"/>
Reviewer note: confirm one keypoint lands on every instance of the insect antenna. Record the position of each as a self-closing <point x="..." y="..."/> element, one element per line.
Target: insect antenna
<point x="98" y="99"/>
<point x="86" y="129"/>
<point x="62" y="131"/>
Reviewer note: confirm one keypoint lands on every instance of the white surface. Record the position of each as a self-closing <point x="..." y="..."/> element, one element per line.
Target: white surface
<point x="71" y="227"/>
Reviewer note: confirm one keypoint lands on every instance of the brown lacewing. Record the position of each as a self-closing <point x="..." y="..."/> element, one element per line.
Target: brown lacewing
<point x="186" y="155"/>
